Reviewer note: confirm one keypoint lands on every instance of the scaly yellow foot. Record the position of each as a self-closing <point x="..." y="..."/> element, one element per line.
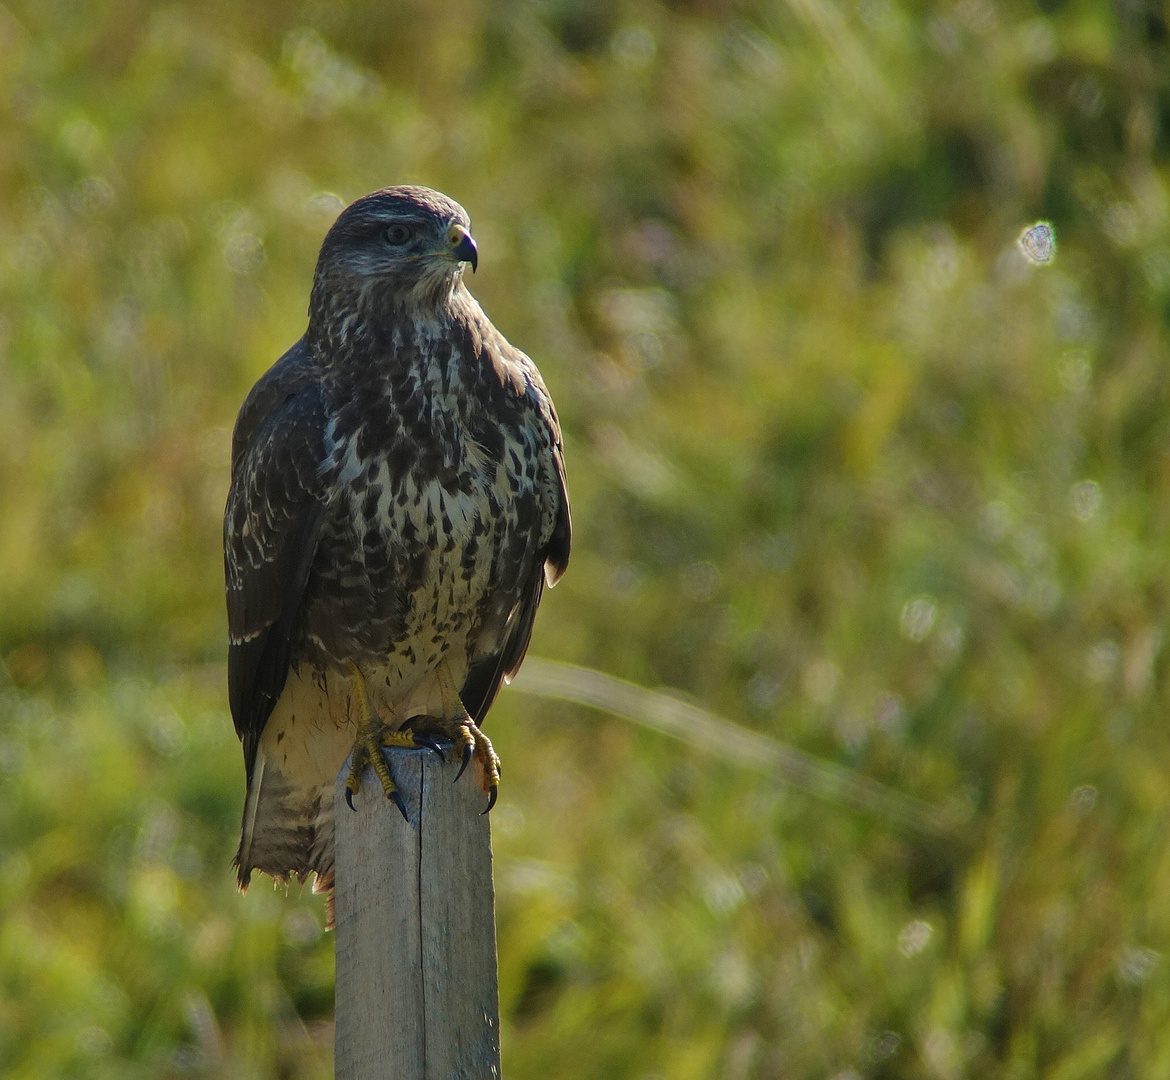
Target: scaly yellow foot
<point x="374" y="734"/>
<point x="465" y="733"/>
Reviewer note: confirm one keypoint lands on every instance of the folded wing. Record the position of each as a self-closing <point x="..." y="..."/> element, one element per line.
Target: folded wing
<point x="272" y="524"/>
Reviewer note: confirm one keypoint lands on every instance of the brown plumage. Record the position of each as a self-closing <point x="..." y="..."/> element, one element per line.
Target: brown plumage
<point x="397" y="503"/>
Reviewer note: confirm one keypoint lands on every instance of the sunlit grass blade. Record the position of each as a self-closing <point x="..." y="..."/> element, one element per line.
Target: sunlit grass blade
<point x="667" y="714"/>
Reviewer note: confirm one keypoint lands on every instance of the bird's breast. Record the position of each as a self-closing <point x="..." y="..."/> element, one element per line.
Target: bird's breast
<point x="428" y="529"/>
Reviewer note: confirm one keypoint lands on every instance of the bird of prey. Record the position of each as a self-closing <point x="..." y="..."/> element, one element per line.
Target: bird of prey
<point x="397" y="505"/>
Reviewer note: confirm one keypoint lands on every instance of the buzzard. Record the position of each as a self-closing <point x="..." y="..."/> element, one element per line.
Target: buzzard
<point x="397" y="505"/>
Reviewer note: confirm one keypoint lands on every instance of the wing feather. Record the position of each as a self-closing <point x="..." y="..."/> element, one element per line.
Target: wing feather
<point x="486" y="676"/>
<point x="272" y="524"/>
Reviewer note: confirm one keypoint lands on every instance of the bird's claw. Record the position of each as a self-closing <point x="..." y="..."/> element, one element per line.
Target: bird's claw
<point x="465" y="733"/>
<point x="431" y="744"/>
<point x="468" y="752"/>
<point x="476" y="744"/>
<point x="396" y="799"/>
<point x="349" y="798"/>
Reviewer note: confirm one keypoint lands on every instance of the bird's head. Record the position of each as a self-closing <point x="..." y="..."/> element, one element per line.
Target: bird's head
<point x="400" y="247"/>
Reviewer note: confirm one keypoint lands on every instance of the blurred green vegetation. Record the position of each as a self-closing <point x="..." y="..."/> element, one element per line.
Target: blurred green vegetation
<point x="846" y="469"/>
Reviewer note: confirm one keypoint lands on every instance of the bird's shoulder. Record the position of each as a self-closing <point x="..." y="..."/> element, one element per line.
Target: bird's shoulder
<point x="277" y="489"/>
<point x="520" y="382"/>
<point x="293" y="373"/>
<point x="511" y="377"/>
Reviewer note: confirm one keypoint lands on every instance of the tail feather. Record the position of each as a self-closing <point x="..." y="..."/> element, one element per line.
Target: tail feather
<point x="248" y="826"/>
<point x="287" y="830"/>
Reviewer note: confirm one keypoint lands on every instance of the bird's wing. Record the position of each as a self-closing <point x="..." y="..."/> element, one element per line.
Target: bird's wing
<point x="272" y="523"/>
<point x="551" y="557"/>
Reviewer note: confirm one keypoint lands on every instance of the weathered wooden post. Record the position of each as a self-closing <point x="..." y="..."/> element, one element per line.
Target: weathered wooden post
<point x="417" y="993"/>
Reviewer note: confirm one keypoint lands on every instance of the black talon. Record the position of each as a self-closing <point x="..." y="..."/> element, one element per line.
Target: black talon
<point x="349" y="799"/>
<point x="468" y="750"/>
<point x="431" y="744"/>
<point x="493" y="791"/>
<point x="396" y="799"/>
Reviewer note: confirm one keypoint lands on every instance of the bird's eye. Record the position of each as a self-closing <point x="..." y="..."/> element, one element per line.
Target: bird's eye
<point x="398" y="234"/>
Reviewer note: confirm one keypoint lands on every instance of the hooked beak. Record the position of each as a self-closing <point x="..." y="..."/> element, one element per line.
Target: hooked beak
<point x="462" y="246"/>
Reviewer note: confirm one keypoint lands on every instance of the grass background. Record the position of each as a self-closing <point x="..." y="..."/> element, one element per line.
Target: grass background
<point x="847" y="470"/>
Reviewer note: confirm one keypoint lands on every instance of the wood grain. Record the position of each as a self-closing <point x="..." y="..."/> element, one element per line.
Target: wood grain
<point x="417" y="995"/>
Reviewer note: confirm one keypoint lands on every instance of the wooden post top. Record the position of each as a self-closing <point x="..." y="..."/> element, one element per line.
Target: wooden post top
<point x="417" y="994"/>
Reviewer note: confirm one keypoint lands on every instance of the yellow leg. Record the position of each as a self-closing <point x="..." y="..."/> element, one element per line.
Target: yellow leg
<point x="372" y="735"/>
<point x="469" y="740"/>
